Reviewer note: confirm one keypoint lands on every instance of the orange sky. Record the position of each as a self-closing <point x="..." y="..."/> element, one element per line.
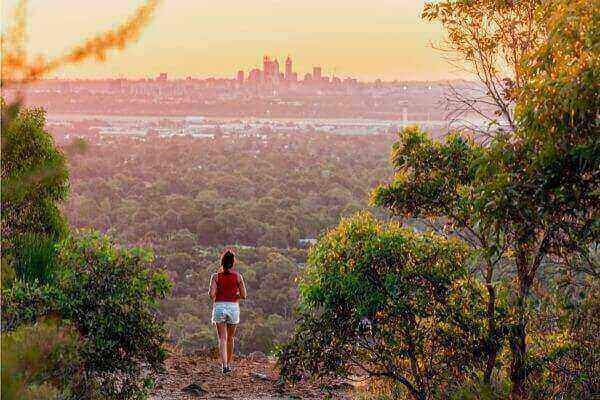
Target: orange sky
<point x="368" y="38"/>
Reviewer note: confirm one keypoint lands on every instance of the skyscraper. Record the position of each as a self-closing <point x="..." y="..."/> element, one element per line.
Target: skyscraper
<point x="240" y="76"/>
<point x="266" y="68"/>
<point x="288" y="69"/>
<point x="316" y="75"/>
<point x="276" y="74"/>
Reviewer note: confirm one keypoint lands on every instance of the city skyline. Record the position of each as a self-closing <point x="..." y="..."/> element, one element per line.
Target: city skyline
<point x="271" y="73"/>
<point x="367" y="40"/>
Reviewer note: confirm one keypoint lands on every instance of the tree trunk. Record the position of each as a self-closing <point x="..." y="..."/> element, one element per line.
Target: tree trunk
<point x="491" y="317"/>
<point x="518" y="372"/>
<point x="517" y="368"/>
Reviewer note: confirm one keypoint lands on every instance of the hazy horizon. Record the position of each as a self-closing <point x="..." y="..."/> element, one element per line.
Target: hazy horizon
<point x="368" y="40"/>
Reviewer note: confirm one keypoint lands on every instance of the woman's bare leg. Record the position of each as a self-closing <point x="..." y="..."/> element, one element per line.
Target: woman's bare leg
<point x="230" y="338"/>
<point x="222" y="336"/>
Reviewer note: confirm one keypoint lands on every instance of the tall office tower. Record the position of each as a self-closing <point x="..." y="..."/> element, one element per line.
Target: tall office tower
<point x="316" y="74"/>
<point x="267" y="68"/>
<point x="288" y="69"/>
<point x="240" y="77"/>
<point x="276" y="74"/>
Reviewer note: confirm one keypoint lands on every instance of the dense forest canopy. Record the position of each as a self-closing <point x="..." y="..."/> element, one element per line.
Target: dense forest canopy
<point x="188" y="197"/>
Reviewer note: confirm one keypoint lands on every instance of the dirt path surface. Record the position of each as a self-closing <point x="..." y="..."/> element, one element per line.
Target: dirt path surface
<point x="253" y="378"/>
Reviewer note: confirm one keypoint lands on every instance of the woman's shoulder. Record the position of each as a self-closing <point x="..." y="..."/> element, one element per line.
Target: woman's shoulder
<point x="230" y="272"/>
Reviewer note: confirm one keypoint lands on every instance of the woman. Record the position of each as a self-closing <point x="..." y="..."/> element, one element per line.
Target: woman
<point x="226" y="288"/>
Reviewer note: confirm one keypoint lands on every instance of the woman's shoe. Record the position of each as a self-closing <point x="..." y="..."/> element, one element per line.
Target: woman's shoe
<point x="226" y="370"/>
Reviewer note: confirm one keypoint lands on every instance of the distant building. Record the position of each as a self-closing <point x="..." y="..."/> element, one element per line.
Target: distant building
<point x="307" y="77"/>
<point x="270" y="73"/>
<point x="288" y="69"/>
<point x="240" y="77"/>
<point x="316" y="75"/>
<point x="255" y="76"/>
<point x="266" y="67"/>
<point x="275" y="69"/>
<point x="162" y="77"/>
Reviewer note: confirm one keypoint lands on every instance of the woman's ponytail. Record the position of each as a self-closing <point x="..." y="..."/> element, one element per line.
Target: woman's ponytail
<point x="227" y="261"/>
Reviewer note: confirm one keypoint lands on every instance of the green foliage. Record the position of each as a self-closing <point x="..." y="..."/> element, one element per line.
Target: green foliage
<point x="528" y="200"/>
<point x="41" y="361"/>
<point x="432" y="179"/>
<point x="187" y="197"/>
<point x="34" y="182"/>
<point x="109" y="294"/>
<point x="541" y="186"/>
<point x="270" y="194"/>
<point x="544" y="180"/>
<point x="36" y="257"/>
<point x="384" y="301"/>
<point x="566" y="359"/>
<point x="34" y="176"/>
<point x="435" y="181"/>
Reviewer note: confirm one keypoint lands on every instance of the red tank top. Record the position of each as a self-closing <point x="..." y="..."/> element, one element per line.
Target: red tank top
<point x="227" y="286"/>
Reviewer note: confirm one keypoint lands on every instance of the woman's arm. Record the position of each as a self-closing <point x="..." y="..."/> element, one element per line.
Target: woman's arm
<point x="212" y="292"/>
<point x="242" y="286"/>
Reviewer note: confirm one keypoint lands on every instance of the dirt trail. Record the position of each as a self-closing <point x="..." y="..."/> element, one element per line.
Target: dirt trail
<point x="253" y="378"/>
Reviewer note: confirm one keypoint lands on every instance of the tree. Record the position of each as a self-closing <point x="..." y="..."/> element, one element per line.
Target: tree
<point x="542" y="184"/>
<point x="529" y="197"/>
<point x="35" y="180"/>
<point x="489" y="39"/>
<point x="383" y="301"/>
<point x="435" y="182"/>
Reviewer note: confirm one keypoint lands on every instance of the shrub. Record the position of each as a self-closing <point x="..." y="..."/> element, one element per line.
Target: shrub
<point x="35" y="180"/>
<point x="36" y="257"/>
<point x="109" y="294"/>
<point x="40" y="361"/>
<point x="381" y="301"/>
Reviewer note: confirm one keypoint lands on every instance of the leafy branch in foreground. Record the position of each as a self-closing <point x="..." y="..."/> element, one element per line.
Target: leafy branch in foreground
<point x="18" y="66"/>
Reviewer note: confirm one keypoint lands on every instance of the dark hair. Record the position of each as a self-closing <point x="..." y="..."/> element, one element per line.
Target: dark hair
<point x="227" y="260"/>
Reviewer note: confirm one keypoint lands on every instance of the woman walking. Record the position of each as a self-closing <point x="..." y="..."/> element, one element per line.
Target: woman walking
<point x="226" y="288"/>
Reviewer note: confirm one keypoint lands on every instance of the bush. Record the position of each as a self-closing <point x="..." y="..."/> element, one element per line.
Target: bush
<point x="109" y="295"/>
<point x="381" y="301"/>
<point x="34" y="173"/>
<point x="41" y="361"/>
<point x="36" y="257"/>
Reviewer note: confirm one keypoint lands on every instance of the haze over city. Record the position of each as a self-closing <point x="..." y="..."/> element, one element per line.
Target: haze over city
<point x="364" y="39"/>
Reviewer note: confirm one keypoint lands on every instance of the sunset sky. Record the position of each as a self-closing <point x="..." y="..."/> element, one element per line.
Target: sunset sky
<point x="367" y="39"/>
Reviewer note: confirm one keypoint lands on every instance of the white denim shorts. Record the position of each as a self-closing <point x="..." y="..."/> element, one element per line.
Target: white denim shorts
<point x="226" y="312"/>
